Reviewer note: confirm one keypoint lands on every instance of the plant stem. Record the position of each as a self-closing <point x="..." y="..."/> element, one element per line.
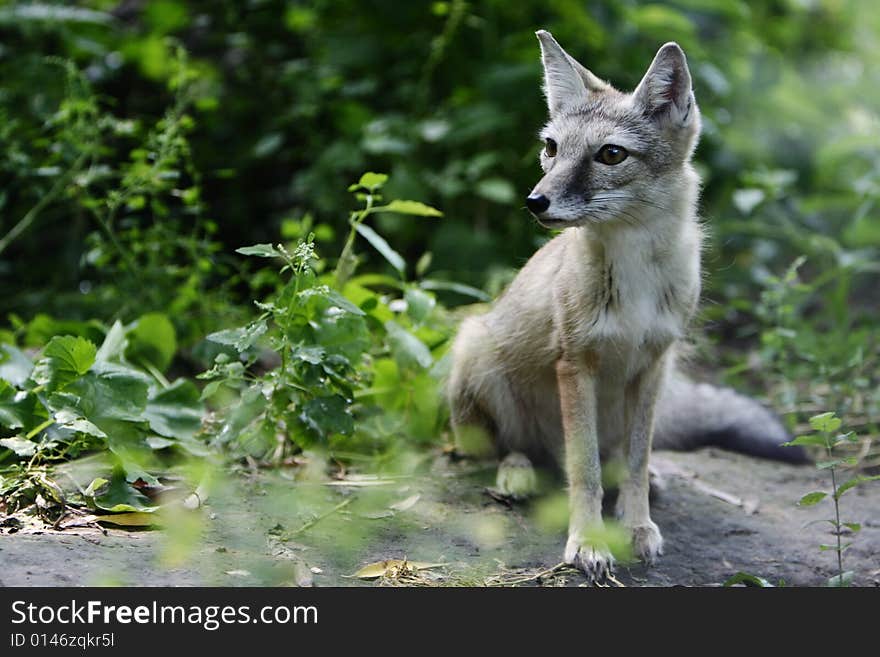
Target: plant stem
<point x="837" y="526"/>
<point x="47" y="198"/>
<point x="343" y="266"/>
<point x="33" y="432"/>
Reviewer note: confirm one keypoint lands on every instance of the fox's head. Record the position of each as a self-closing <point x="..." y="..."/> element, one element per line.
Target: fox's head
<point x="612" y="156"/>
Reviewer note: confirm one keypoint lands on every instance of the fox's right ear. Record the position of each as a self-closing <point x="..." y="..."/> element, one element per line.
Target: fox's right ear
<point x="566" y="82"/>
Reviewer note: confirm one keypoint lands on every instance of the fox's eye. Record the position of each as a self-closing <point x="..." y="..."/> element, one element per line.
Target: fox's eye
<point x="550" y="148"/>
<point x="611" y="154"/>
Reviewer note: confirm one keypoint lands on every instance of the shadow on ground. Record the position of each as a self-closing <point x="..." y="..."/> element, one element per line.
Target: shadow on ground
<point x="720" y="513"/>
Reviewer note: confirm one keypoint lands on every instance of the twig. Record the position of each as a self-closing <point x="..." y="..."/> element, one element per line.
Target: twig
<point x="549" y="571"/>
<point x="311" y="523"/>
<point x="45" y="200"/>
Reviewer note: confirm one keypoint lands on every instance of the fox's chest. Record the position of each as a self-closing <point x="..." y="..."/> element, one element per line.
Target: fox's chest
<point x="636" y="315"/>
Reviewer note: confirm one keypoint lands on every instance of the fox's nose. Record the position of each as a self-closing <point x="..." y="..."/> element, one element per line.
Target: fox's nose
<point x="537" y="203"/>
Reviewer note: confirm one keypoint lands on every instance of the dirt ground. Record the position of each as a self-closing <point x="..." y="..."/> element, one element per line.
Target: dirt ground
<point x="719" y="513"/>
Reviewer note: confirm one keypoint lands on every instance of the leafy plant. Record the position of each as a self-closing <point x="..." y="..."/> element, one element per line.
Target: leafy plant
<point x="327" y="337"/>
<point x="76" y="398"/>
<point x="826" y="426"/>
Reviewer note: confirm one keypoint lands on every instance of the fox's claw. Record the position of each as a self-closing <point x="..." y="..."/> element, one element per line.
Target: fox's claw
<point x="595" y="562"/>
<point x="647" y="543"/>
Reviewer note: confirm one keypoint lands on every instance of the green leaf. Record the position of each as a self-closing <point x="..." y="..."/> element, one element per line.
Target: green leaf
<point x="424" y="263"/>
<point x="497" y="190"/>
<point x="812" y="439"/>
<point x="327" y="416"/>
<point x="97" y="484"/>
<point x="812" y="498"/>
<point x="378" y="242"/>
<point x="747" y="580"/>
<point x="211" y="389"/>
<point x="70" y="419"/>
<point x="108" y="392"/>
<point x="853" y="526"/>
<point x="826" y="422"/>
<point x="175" y="411"/>
<point x="341" y="302"/>
<point x="408" y="350"/>
<point x="242" y="338"/>
<point x="418" y="304"/>
<point x="120" y="497"/>
<point x="852" y="483"/>
<point x="371" y="181"/>
<point x="414" y="208"/>
<point x="260" y="250"/>
<point x="458" y="288"/>
<point x="17" y="408"/>
<point x="65" y="359"/>
<point x="15" y="367"/>
<point x="848" y="437"/>
<point x="22" y="448"/>
<point x="152" y="340"/>
<point x="114" y="345"/>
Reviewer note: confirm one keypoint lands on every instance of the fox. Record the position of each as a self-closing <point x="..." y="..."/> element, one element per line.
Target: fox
<point x="577" y="358"/>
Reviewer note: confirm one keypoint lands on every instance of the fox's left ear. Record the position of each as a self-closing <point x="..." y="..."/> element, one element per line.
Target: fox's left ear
<point x="665" y="92"/>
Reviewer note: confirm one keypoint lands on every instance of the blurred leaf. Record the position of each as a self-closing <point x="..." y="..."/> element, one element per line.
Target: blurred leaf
<point x="129" y="519"/>
<point x="459" y="288"/>
<point x="370" y="181"/>
<point x="408" y="350"/>
<point x="418" y="304"/>
<point x="812" y="498"/>
<point x="15" y="366"/>
<point x="812" y="439"/>
<point x="496" y="190"/>
<point x="378" y="242"/>
<point x="176" y="411"/>
<point x="152" y="340"/>
<point x="414" y="208"/>
<point x="17" y="408"/>
<point x="22" y="448"/>
<point x="826" y="422"/>
<point x="114" y="345"/>
<point x="327" y="415"/>
<point x="747" y="580"/>
<point x="852" y="483"/>
<point x="242" y="338"/>
<point x="72" y="420"/>
<point x="260" y="250"/>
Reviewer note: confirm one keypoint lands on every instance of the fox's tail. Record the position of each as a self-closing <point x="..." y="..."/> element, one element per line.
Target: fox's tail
<point x="690" y="415"/>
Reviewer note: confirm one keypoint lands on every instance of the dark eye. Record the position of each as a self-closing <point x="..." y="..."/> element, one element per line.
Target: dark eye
<point x="611" y="154"/>
<point x="550" y="148"/>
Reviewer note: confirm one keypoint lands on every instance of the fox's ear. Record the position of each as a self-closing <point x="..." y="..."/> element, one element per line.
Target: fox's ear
<point x="566" y="82"/>
<point x="665" y="91"/>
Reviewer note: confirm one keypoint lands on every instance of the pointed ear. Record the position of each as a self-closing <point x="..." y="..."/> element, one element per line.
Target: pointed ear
<point x="665" y="91"/>
<point x="566" y="82"/>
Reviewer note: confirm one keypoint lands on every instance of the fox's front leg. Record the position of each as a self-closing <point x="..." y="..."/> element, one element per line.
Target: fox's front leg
<point x="632" y="506"/>
<point x="576" y="377"/>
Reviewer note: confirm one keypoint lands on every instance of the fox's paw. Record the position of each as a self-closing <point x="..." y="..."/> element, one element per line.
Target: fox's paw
<point x="647" y="543"/>
<point x="595" y="562"/>
<point x="516" y="477"/>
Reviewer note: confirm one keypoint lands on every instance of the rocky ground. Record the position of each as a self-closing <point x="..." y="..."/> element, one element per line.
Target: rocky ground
<point x="720" y="514"/>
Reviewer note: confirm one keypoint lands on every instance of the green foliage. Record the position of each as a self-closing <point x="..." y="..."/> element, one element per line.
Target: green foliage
<point x="77" y="398"/>
<point x="327" y="338"/>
